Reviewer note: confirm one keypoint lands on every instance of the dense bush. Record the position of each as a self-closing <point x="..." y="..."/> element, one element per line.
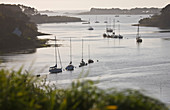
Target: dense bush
<point x="25" y="92"/>
<point x="12" y="21"/>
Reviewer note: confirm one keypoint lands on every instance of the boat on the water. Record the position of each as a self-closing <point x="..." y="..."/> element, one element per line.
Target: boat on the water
<point x="110" y="33"/>
<point x="90" y="60"/>
<point x="82" y="63"/>
<point x="96" y="20"/>
<point x="118" y="36"/>
<point x="86" y="23"/>
<point x="105" y="35"/>
<point x="105" y="21"/>
<point x="90" y="28"/>
<point x="138" y="38"/>
<point x="116" y="15"/>
<point x="70" y="67"/>
<point x="55" y="69"/>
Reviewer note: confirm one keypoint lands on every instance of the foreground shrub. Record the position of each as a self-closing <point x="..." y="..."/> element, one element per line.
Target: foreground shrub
<point x="25" y="92"/>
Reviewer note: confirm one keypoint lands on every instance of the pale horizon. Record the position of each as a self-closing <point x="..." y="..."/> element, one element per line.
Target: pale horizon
<point x="84" y="5"/>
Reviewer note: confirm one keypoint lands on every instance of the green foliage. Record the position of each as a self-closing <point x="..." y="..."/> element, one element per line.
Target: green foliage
<point x="19" y="91"/>
<point x="11" y="18"/>
<point x="22" y="91"/>
<point x="38" y="19"/>
<point x="161" y="20"/>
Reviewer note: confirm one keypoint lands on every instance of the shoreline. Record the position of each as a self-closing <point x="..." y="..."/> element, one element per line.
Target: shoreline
<point x="146" y="25"/>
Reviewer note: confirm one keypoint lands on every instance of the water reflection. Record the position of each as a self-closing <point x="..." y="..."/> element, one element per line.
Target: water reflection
<point x="138" y="45"/>
<point x="27" y="51"/>
<point x="168" y="39"/>
<point x="17" y="52"/>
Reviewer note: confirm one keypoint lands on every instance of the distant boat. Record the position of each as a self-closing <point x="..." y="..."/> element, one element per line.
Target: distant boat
<point x="118" y="36"/>
<point x="109" y="31"/>
<point x="90" y="28"/>
<point x="90" y="60"/>
<point x="70" y="67"/>
<point x="96" y="20"/>
<point x="116" y="15"/>
<point x="105" y="35"/>
<point x="55" y="69"/>
<point x="138" y="38"/>
<point x="82" y="63"/>
<point x="105" y="21"/>
<point x="86" y="23"/>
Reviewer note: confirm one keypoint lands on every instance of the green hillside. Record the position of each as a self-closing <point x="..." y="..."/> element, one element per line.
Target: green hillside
<point x="161" y="21"/>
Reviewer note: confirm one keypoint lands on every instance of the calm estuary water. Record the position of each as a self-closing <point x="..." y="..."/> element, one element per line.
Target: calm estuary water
<point x="122" y="63"/>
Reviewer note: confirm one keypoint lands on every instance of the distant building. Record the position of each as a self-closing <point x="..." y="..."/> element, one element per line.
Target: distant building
<point x="17" y="32"/>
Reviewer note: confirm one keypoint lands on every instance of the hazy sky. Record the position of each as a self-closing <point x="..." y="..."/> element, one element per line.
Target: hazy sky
<point x="87" y="4"/>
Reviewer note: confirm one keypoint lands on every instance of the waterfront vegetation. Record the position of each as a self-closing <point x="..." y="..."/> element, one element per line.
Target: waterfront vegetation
<point x="118" y="11"/>
<point x="18" y="29"/>
<point x="161" y="21"/>
<point x="17" y="32"/>
<point x="20" y="90"/>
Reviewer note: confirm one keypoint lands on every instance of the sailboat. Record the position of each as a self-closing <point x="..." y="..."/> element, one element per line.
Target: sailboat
<point x="96" y="20"/>
<point x="138" y="38"/>
<point x="55" y="69"/>
<point x="110" y="33"/>
<point x="82" y="63"/>
<point x="109" y="29"/>
<point x="70" y="67"/>
<point x="90" y="60"/>
<point x="105" y="34"/>
<point x="90" y="27"/>
<point x="118" y="36"/>
<point x="105" y="20"/>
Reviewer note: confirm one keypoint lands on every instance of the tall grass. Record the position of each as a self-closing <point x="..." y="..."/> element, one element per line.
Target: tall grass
<point x="25" y="92"/>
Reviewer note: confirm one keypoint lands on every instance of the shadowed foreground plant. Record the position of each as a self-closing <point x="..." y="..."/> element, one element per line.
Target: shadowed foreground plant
<point x="25" y="92"/>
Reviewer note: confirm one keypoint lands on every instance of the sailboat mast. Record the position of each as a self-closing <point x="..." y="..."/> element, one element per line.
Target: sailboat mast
<point x="89" y="22"/>
<point x="82" y="48"/>
<point x="114" y="25"/>
<point x="59" y="58"/>
<point x="138" y="31"/>
<point x="106" y="26"/>
<point x="70" y="50"/>
<point x="119" y="29"/>
<point x="55" y="50"/>
<point x="89" y="51"/>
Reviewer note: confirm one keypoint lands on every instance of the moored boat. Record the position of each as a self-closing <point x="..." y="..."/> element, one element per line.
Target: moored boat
<point x="55" y="69"/>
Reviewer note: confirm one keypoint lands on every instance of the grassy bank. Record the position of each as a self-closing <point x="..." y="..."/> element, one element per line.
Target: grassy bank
<point x="22" y="91"/>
